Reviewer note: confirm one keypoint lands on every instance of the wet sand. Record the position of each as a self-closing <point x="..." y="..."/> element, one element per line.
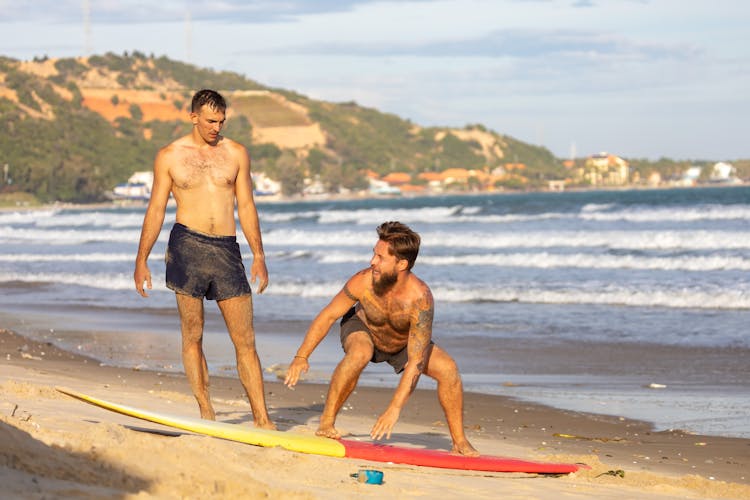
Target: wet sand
<point x="54" y="446"/>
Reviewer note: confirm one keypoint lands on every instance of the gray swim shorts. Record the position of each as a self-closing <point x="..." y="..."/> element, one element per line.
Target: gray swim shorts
<point x="202" y="265"/>
<point x="351" y="323"/>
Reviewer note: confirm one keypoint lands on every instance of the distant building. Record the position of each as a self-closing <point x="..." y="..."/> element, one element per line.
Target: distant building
<point x="604" y="169"/>
<point x="379" y="186"/>
<point x="455" y="176"/>
<point x="397" y="178"/>
<point x="723" y="172"/>
<point x="654" y="179"/>
<point x="434" y="180"/>
<point x="313" y="187"/>
<point x="691" y="176"/>
<point x="688" y="178"/>
<point x="498" y="172"/>
<point x="264" y="186"/>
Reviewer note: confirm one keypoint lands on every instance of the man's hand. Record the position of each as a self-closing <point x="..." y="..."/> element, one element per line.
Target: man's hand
<point x="299" y="365"/>
<point x="140" y="275"/>
<point x="259" y="271"/>
<point x="385" y="423"/>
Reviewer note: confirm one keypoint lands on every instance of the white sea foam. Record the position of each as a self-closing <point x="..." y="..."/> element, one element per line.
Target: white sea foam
<point x="302" y="289"/>
<point x="544" y="260"/>
<point x="277" y="217"/>
<point x="118" y="257"/>
<point x="669" y="214"/>
<point x="85" y="219"/>
<point x="25" y="216"/>
<point x="654" y="295"/>
<point x="596" y="207"/>
<point x="460" y="214"/>
<point x="606" y="295"/>
<point x="315" y="238"/>
<point x="626" y="240"/>
<point x="606" y="212"/>
<point x="616" y="296"/>
<point x="337" y="257"/>
<point x="375" y="216"/>
<point x="432" y="215"/>
<point x="78" y="257"/>
<point x="69" y="236"/>
<point x="104" y="281"/>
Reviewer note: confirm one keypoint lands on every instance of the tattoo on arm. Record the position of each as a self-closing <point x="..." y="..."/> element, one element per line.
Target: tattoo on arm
<point x="424" y="319"/>
<point x="349" y="294"/>
<point x="419" y="338"/>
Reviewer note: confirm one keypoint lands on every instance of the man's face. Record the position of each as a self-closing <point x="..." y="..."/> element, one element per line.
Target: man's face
<point x="384" y="268"/>
<point x="209" y="122"/>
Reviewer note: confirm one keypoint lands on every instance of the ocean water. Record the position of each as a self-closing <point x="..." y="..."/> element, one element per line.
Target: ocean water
<point x="630" y="303"/>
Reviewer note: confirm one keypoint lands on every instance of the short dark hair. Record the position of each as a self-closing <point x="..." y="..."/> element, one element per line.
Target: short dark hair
<point x="210" y="98"/>
<point x="403" y="243"/>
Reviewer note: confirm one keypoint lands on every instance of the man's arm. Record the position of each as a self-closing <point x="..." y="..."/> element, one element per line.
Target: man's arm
<point x="152" y="221"/>
<point x="248" y="214"/>
<point x="417" y="347"/>
<point x="339" y="305"/>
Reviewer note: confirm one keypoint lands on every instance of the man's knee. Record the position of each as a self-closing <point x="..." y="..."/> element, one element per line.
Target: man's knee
<point x="358" y="357"/>
<point x="192" y="327"/>
<point x="243" y="342"/>
<point x="192" y="344"/>
<point x="443" y="368"/>
<point x="359" y="349"/>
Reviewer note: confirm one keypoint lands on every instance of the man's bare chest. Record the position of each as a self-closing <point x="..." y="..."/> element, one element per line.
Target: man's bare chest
<point x="390" y="315"/>
<point x="196" y="169"/>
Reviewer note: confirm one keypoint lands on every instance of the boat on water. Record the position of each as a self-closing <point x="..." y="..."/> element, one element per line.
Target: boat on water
<point x="137" y="188"/>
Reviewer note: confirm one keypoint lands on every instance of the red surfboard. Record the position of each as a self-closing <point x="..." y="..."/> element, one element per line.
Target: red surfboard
<point x="435" y="458"/>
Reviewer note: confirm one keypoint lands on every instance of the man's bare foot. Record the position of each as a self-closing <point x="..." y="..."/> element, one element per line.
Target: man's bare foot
<point x="329" y="432"/>
<point x="464" y="448"/>
<point x="268" y="425"/>
<point x="207" y="413"/>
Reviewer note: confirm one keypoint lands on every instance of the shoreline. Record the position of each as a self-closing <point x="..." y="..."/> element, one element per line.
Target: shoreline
<point x="677" y="463"/>
<point x="650" y="383"/>
<point x="281" y="199"/>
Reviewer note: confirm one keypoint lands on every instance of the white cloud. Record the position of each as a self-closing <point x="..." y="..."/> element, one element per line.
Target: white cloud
<point x="637" y="77"/>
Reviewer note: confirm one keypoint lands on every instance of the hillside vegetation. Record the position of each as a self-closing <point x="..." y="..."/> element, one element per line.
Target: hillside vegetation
<point x="71" y="129"/>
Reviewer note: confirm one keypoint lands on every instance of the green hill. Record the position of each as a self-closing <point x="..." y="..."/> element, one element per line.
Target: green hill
<point x="70" y="129"/>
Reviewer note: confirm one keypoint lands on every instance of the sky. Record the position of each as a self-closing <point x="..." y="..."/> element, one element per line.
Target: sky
<point x="635" y="78"/>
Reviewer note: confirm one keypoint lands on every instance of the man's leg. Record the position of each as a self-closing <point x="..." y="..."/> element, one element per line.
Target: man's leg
<point x="193" y="359"/>
<point x="238" y="316"/>
<point x="443" y="369"/>
<point x="358" y="348"/>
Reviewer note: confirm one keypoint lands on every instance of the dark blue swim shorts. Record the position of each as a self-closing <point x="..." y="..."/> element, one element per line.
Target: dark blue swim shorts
<point x="202" y="265"/>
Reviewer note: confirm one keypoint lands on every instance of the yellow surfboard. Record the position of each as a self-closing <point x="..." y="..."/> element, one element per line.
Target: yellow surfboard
<point x="324" y="446"/>
<point x="242" y="433"/>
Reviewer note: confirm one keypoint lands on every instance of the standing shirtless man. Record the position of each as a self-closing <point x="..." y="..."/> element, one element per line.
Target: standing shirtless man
<point x="207" y="173"/>
<point x="387" y="316"/>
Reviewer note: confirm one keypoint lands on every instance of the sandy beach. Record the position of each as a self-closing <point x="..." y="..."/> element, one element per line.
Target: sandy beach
<point x="53" y="446"/>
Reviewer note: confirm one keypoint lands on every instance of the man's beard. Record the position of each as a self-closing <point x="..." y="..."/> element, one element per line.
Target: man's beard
<point x="384" y="284"/>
